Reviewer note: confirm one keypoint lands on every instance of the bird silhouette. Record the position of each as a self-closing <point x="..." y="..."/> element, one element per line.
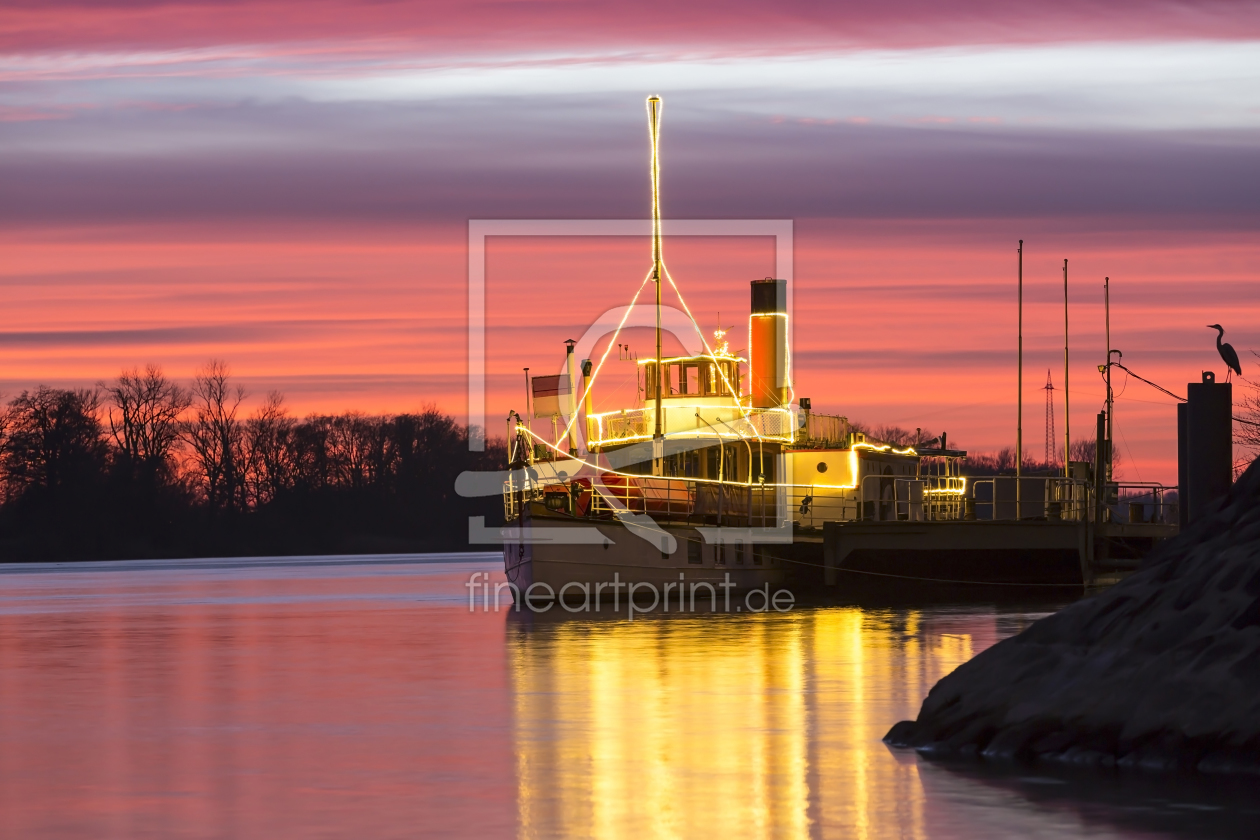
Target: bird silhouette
<point x="1226" y="351"/>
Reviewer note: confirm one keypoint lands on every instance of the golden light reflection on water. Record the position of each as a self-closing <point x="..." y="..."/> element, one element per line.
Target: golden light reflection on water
<point x="765" y="726"/>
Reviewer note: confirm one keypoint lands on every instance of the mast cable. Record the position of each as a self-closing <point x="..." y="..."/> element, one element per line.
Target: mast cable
<point x="1148" y="382"/>
<point x="608" y="349"/>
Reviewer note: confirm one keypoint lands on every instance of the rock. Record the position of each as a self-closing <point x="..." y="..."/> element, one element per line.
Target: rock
<point x="1160" y="672"/>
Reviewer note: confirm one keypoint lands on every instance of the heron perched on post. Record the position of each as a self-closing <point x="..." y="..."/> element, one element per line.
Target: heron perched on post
<point x="1227" y="351"/>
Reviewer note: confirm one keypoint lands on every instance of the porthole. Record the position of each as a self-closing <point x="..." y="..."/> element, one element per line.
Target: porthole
<point x="822" y="466"/>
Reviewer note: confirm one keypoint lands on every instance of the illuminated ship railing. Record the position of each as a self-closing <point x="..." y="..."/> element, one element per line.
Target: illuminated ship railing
<point x="883" y="499"/>
<point x="825" y="427"/>
<point x="878" y="498"/>
<point x="517" y="493"/>
<point x="624" y="426"/>
<point x="776" y="424"/>
<point x="694" y="502"/>
<point x="769" y="423"/>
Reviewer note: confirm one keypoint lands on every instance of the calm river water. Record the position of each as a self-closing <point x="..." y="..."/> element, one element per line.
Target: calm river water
<point x="359" y="697"/>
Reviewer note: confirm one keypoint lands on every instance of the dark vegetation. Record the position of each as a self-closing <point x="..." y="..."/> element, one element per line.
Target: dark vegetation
<point x="1247" y="422"/>
<point x="144" y="467"/>
<point x="1002" y="462"/>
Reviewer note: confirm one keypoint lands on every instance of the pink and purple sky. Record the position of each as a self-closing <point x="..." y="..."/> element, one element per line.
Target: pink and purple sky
<point x="287" y="186"/>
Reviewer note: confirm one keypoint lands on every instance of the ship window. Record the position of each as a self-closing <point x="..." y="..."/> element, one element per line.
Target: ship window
<point x="693" y="552"/>
<point x="691" y="380"/>
<point x="674" y="379"/>
<point x="694" y="379"/>
<point x="822" y="466"/>
<point x="716" y="385"/>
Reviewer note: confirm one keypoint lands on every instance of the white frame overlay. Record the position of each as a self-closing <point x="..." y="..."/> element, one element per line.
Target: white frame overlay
<point x="479" y="229"/>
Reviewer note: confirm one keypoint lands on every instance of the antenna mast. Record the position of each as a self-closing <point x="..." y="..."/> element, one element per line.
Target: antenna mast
<point x="1019" y="391"/>
<point x="1051" y="458"/>
<point x="1111" y="408"/>
<point x="1067" y="406"/>
<point x="654" y="125"/>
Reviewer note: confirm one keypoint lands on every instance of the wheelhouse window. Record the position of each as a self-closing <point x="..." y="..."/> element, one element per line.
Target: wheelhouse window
<point x="693" y="378"/>
<point x="649" y="380"/>
<point x="722" y="376"/>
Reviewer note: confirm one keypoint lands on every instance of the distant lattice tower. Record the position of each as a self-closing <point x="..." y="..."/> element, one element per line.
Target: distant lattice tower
<point x="1052" y="459"/>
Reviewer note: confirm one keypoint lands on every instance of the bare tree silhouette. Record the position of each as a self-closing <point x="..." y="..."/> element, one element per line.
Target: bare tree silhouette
<point x="269" y="463"/>
<point x="215" y="435"/>
<point x="144" y="418"/>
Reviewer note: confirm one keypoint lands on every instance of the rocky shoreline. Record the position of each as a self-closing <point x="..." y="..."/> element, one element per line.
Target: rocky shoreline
<point x="1160" y="672"/>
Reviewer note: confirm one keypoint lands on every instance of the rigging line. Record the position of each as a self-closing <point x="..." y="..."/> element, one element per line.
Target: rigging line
<point x="1147" y="402"/>
<point x="696" y="326"/>
<point x="1149" y="382"/>
<point x="625" y="384"/>
<point x="1130" y="451"/>
<point x="1103" y="377"/>
<point x="607" y="350"/>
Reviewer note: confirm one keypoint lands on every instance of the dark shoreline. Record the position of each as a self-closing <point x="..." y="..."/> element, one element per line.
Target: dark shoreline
<point x="1159" y="673"/>
<point x="249" y="562"/>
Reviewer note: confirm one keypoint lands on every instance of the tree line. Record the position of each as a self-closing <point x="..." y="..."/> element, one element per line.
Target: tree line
<point x="143" y="466"/>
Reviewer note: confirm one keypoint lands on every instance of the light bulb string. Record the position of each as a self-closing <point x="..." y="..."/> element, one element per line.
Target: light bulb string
<point x="608" y="349"/>
<point x="696" y="326"/>
<point x="610" y="471"/>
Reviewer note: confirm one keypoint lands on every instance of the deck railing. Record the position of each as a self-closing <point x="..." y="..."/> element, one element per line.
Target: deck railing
<point x="1052" y="498"/>
<point x="519" y="491"/>
<point x="878" y="498"/>
<point x="696" y="502"/>
<point x="1143" y="502"/>
<point x="631" y="424"/>
<point x="639" y="423"/>
<point x="828" y="428"/>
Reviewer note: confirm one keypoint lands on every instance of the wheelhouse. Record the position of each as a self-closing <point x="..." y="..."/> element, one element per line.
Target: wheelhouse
<point x="692" y="376"/>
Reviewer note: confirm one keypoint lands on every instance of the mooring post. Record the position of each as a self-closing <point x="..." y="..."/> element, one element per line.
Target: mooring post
<point x="1206" y="443"/>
